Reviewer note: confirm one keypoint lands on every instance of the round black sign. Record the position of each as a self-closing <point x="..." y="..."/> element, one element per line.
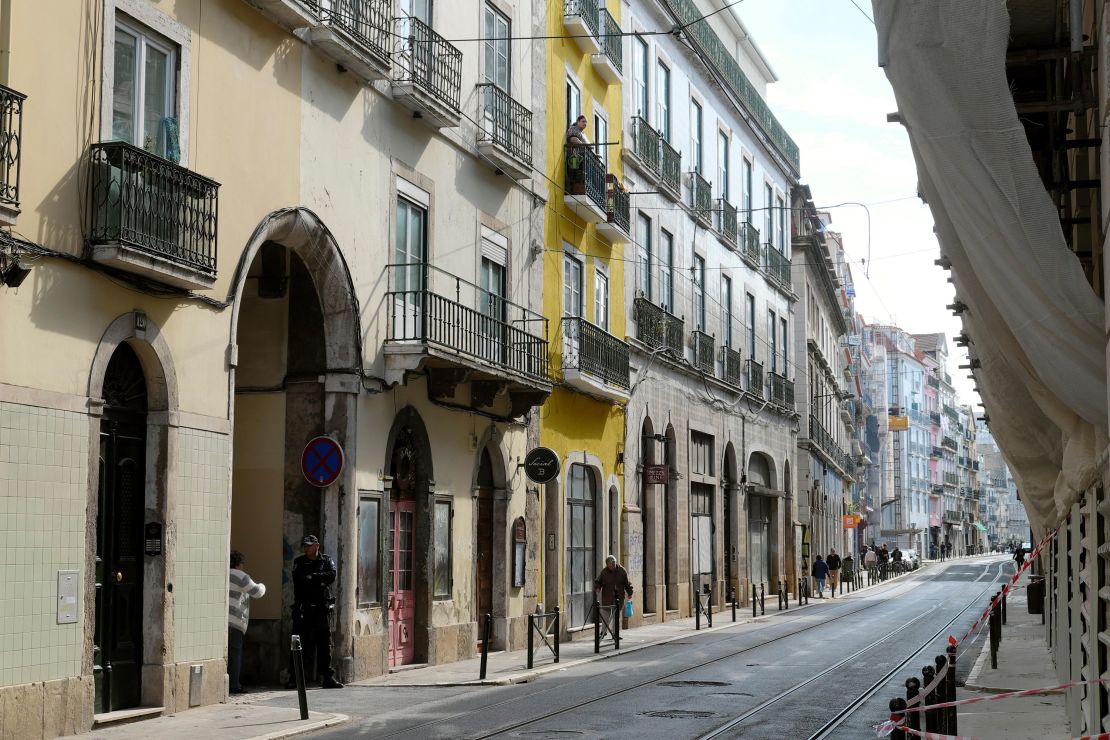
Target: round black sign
<point x="541" y="465"/>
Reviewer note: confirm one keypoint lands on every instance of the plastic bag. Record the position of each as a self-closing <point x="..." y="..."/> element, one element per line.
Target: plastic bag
<point x="628" y="609"/>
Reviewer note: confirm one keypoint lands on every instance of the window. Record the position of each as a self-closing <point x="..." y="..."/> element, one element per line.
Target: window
<point x="574" y="102"/>
<point x="498" y="60"/>
<point x="699" y="292"/>
<point x="144" y="88"/>
<point x="772" y="352"/>
<point x="726" y="310"/>
<point x="663" y="100"/>
<point x="722" y="165"/>
<point x="441" y="587"/>
<point x="418" y="9"/>
<point x="747" y="190"/>
<point x="601" y="299"/>
<point x="701" y="503"/>
<point x="666" y="269"/>
<point x="783" y="345"/>
<point x="581" y="545"/>
<point x="572" y="286"/>
<point x="601" y="138"/>
<point x="695" y="135"/>
<point x="640" y="77"/>
<point x="408" y="280"/>
<point x="750" y="321"/>
<point x="492" y="305"/>
<point x="768" y="215"/>
<point x="780" y="210"/>
<point x="643" y="248"/>
<point x="369" y="560"/>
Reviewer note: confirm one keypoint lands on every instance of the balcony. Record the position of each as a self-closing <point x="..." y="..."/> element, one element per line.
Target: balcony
<point x="289" y="14"/>
<point x="949" y="443"/>
<point x="823" y="441"/>
<point x="953" y="517"/>
<point x="658" y="328"/>
<point x="617" y="226"/>
<point x="701" y="199"/>
<point x="754" y="376"/>
<point x="726" y="222"/>
<point x="704" y="353"/>
<point x="951" y="479"/>
<point x="505" y="134"/>
<point x="11" y="140"/>
<point x="152" y="217"/>
<point x="670" y="169"/>
<point x="733" y="366"/>
<point x="777" y="385"/>
<point x="936" y="452"/>
<point x="355" y="34"/>
<point x="777" y="266"/>
<point x="594" y="361"/>
<point x="933" y="382"/>
<point x="749" y="243"/>
<point x="585" y="184"/>
<point x="581" y="18"/>
<point x="609" y="62"/>
<point x="456" y="331"/>
<point x="645" y="146"/>
<point x="427" y="73"/>
<point x="934" y="417"/>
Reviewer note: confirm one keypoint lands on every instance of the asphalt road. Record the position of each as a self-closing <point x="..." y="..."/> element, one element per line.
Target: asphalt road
<point x="786" y="677"/>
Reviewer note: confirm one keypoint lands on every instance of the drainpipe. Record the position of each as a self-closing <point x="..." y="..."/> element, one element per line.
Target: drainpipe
<point x="1075" y="25"/>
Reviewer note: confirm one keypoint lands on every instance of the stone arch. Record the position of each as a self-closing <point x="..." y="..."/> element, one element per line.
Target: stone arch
<point x="761" y="470"/>
<point x="145" y="337"/>
<point x="732" y="503"/>
<point x="491" y="537"/>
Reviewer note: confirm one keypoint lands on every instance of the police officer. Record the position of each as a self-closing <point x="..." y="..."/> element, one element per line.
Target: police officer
<point x="313" y="574"/>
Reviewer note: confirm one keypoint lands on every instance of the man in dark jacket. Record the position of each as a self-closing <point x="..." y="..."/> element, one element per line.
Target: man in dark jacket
<point x="820" y="572"/>
<point x="313" y="574"/>
<point x="612" y="583"/>
<point x="833" y="563"/>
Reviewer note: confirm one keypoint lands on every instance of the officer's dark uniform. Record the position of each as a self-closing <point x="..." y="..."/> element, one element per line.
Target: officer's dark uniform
<point x="312" y="607"/>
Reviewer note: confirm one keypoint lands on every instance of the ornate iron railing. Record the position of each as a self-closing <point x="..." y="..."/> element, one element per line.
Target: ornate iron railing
<point x="733" y="366"/>
<point x="505" y="122"/>
<point x="726" y="220"/>
<point x="151" y="204"/>
<point x="749" y="237"/>
<point x="617" y="204"/>
<point x="936" y="452"/>
<point x="591" y="349"/>
<point x="645" y="144"/>
<point x="585" y="173"/>
<point x="701" y="197"/>
<point x="426" y="60"/>
<point x="611" y="39"/>
<point x="670" y="166"/>
<point x="777" y="266"/>
<point x="934" y="417"/>
<point x="433" y="306"/>
<point x="754" y="375"/>
<point x="587" y="9"/>
<point x="365" y="21"/>
<point x="951" y="479"/>
<point x="704" y="355"/>
<point x="825" y="442"/>
<point x="788" y="393"/>
<point x="933" y="382"/>
<point x="950" y="443"/>
<point x="778" y="388"/>
<point x="11" y="141"/>
<point x="656" y="327"/>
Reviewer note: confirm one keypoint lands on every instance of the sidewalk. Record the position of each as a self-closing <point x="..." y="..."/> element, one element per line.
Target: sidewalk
<point x="1024" y="662"/>
<point x="222" y="722"/>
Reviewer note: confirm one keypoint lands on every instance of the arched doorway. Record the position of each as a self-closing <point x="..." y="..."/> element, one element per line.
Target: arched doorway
<point x="730" y="485"/>
<point x="670" y="520"/>
<point x="760" y="519"/>
<point x="649" y="512"/>
<point x="121" y="505"/>
<point x="483" y="542"/>
<point x="580" y="528"/>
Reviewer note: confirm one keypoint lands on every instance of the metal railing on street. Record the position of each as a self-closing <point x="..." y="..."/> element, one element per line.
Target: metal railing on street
<point x="590" y="349"/>
<point x="546" y="625"/>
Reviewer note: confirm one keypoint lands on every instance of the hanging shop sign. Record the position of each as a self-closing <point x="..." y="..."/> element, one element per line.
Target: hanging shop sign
<point x="322" y="461"/>
<point x="851" y="521"/>
<point x="541" y="465"/>
<point x="655" y="475"/>
<point x="898" y="423"/>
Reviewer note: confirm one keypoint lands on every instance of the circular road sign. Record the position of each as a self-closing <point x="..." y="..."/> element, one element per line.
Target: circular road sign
<point x="541" y="465"/>
<point x="322" y="461"/>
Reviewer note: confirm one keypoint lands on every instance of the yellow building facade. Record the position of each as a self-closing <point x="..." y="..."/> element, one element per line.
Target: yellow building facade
<point x="586" y="229"/>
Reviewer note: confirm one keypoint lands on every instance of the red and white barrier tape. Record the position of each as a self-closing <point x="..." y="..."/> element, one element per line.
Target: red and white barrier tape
<point x="1010" y="695"/>
<point x="932" y="685"/>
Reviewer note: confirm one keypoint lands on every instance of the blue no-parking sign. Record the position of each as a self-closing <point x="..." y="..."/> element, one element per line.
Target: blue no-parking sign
<point x="322" y="461"/>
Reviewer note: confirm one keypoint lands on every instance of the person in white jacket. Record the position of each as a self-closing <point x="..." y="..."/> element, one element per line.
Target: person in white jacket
<point x="241" y="589"/>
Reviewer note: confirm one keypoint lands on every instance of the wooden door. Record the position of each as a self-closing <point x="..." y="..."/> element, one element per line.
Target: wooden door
<point x="401" y="609"/>
<point x="483" y="568"/>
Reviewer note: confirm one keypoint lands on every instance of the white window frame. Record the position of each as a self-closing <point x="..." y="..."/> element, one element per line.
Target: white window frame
<point x="697" y="280"/>
<point x="726" y="309"/>
<point x="663" y="97"/>
<point x="724" y="168"/>
<point x="747" y="170"/>
<point x="570" y="256"/>
<point x="576" y="84"/>
<point x="601" y="297"/>
<point x="490" y="44"/>
<point x="601" y="139"/>
<point x="641" y="74"/>
<point x="697" y="124"/>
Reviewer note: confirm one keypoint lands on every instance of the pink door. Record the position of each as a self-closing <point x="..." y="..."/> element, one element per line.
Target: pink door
<point x="401" y="611"/>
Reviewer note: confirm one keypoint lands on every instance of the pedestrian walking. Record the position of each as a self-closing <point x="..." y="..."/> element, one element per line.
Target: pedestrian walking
<point x="1019" y="557"/>
<point x="240" y="590"/>
<point x="933" y="551"/>
<point x="820" y="572"/>
<point x="612" y="584"/>
<point x="896" y="559"/>
<point x="313" y="604"/>
<point x="833" y="563"/>
<point x="871" y="559"/>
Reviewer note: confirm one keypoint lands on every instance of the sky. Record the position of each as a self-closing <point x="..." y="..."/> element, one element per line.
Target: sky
<point x="833" y="99"/>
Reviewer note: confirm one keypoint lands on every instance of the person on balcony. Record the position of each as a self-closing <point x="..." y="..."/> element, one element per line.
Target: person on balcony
<point x="576" y="134"/>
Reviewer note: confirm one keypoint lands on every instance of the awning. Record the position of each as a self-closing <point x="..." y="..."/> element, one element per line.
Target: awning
<point x="979" y="526"/>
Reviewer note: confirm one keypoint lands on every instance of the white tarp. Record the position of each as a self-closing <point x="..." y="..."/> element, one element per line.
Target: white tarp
<point x="1035" y="322"/>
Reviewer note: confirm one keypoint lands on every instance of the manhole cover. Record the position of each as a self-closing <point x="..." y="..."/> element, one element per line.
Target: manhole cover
<point x="693" y="683"/>
<point x="678" y="714"/>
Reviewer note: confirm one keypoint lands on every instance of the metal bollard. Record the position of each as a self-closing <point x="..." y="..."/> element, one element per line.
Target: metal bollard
<point x="755" y="602"/>
<point x="950" y="680"/>
<point x="485" y="647"/>
<point x="939" y="662"/>
<point x="697" y="608"/>
<point x="617" y="614"/>
<point x="733" y="592"/>
<point x="709" y="604"/>
<point x="993" y="637"/>
<point x="1003" y="606"/>
<point x="913" y="688"/>
<point x="898" y="716"/>
<point x="531" y="638"/>
<point x="780" y="596"/>
<point x="556" y="634"/>
<point x="597" y="627"/>
<point x="298" y="674"/>
<point x="762" y="599"/>
<point x="928" y="673"/>
<point x="786" y="593"/>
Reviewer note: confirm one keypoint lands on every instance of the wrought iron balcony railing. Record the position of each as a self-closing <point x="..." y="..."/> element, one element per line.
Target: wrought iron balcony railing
<point x="949" y="443"/>
<point x="617" y="204"/>
<point x="587" y="10"/>
<point x="951" y="479"/>
<point x="152" y="205"/>
<point x="754" y="372"/>
<point x="701" y="198"/>
<point x="777" y="266"/>
<point x="734" y="367"/>
<point x="11" y="140"/>
<point x="427" y="61"/>
<point x="670" y="167"/>
<point x="825" y="442"/>
<point x="934" y="417"/>
<point x="505" y="122"/>
<point x="366" y="22"/>
<point x="611" y="38"/>
<point x="788" y="393"/>
<point x="936" y="452"/>
<point x="585" y="174"/>
<point x="645" y="144"/>
<point x="657" y="327"/>
<point x="726" y="220"/>
<point x="590" y="349"/>
<point x="430" y="305"/>
<point x="778" y="388"/>
<point x="749" y="242"/>
<point x="933" y="382"/>
<point x="704" y="354"/>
